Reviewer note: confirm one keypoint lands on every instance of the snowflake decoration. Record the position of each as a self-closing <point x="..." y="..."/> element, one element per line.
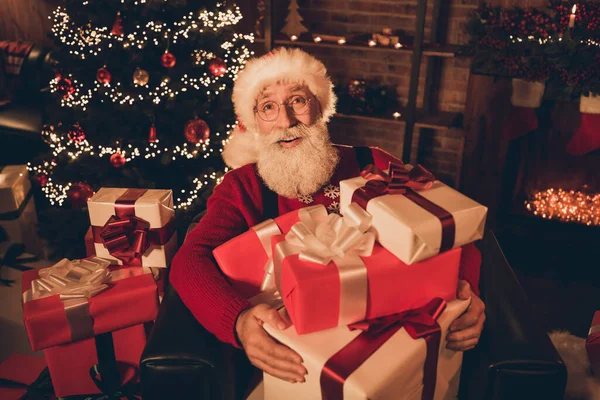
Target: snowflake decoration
<point x="334" y="207"/>
<point x="306" y="199"/>
<point x="332" y="191"/>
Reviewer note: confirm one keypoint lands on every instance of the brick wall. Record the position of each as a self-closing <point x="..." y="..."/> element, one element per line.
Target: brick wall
<point x="441" y="151"/>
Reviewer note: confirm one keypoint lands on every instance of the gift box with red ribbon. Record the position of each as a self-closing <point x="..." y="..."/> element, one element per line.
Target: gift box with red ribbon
<point x="593" y="344"/>
<point x="66" y="305"/>
<point x="362" y="279"/>
<point x="399" y="356"/>
<point x="415" y="217"/>
<point x="134" y="226"/>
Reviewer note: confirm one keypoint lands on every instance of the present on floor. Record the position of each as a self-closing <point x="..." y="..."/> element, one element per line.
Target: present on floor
<point x="67" y="306"/>
<point x="21" y="375"/>
<point x="134" y="226"/>
<point x="593" y="344"/>
<point x="399" y="356"/>
<point x="333" y="265"/>
<point x="18" y="217"/>
<point x="415" y="216"/>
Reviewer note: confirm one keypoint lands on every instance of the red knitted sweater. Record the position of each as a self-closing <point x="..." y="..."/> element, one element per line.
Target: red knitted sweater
<point x="234" y="207"/>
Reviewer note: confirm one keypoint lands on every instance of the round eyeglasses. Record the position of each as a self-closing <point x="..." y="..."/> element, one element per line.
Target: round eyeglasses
<point x="269" y="111"/>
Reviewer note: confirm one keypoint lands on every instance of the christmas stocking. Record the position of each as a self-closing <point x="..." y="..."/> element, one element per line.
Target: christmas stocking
<point x="587" y="137"/>
<point x="526" y="99"/>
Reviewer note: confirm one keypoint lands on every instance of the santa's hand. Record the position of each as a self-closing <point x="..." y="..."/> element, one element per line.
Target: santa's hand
<point x="262" y="351"/>
<point x="465" y="331"/>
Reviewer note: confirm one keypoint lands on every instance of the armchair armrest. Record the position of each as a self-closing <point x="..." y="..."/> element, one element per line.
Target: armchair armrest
<point x="180" y="359"/>
<point x="515" y="358"/>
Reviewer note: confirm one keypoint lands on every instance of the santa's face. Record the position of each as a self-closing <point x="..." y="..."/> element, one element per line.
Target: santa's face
<point x="295" y="154"/>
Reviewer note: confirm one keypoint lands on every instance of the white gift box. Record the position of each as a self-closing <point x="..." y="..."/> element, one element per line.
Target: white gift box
<point x="154" y="206"/>
<point x="18" y="217"/>
<point x="393" y="372"/>
<point x="412" y="233"/>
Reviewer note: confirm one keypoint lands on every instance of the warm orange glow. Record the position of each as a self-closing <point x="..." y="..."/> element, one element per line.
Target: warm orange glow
<point x="342" y="41"/>
<point x="574" y="11"/>
<point x="568" y="206"/>
<point x="372" y="43"/>
<point x="317" y="39"/>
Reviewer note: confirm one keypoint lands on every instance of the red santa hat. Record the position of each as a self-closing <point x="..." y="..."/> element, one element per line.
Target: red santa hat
<point x="282" y="65"/>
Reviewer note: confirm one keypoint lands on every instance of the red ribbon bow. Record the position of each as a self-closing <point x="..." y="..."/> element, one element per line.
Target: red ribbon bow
<point x="126" y="238"/>
<point x="418" y="323"/>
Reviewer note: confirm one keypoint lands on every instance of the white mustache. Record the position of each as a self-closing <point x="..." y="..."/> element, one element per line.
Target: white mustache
<point x="296" y="132"/>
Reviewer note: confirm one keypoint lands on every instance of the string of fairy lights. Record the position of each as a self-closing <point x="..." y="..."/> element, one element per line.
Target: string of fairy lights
<point x="87" y="41"/>
<point x="567" y="206"/>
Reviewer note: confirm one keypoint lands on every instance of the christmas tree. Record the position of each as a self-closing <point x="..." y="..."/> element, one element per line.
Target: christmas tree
<point x="293" y="22"/>
<point x="142" y="94"/>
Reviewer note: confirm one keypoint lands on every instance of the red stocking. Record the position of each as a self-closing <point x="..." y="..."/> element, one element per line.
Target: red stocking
<point x="587" y="137"/>
<point x="520" y="121"/>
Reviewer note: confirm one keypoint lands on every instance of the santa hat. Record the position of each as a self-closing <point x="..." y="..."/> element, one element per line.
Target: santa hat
<point x="281" y="65"/>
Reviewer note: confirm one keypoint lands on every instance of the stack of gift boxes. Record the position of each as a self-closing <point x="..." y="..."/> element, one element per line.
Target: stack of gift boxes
<point x="371" y="293"/>
<point x="68" y="305"/>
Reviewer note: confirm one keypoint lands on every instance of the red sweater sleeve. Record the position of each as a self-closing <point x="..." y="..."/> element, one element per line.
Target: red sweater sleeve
<point x="194" y="273"/>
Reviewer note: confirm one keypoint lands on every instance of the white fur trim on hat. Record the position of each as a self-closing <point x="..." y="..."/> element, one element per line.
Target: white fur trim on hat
<point x="281" y="65"/>
<point x="241" y="149"/>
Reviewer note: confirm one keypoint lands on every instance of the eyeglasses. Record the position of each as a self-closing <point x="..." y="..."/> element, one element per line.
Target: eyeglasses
<point x="269" y="111"/>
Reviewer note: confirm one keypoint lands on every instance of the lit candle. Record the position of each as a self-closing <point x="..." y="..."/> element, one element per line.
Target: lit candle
<point x="572" y="18"/>
<point x="342" y="41"/>
<point x="317" y="39"/>
<point x="372" y="43"/>
<point x="294" y="38"/>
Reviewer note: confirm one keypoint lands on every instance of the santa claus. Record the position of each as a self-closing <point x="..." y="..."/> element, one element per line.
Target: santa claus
<point x="282" y="160"/>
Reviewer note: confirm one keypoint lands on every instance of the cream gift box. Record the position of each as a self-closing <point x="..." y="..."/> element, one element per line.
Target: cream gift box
<point x="149" y="210"/>
<point x="408" y="230"/>
<point x="393" y="372"/>
<point x="18" y="217"/>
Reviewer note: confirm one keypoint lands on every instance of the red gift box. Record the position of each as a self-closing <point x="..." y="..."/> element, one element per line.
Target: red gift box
<point x="128" y="302"/>
<point x="70" y="364"/>
<point x="311" y="292"/>
<point x="592" y="344"/>
<point x="21" y="369"/>
<point x="243" y="258"/>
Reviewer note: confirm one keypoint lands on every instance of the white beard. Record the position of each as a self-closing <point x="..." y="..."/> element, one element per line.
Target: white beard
<point x="299" y="170"/>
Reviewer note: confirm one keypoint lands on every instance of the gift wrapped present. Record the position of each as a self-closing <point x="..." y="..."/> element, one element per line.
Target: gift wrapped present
<point x="18" y="218"/>
<point x="399" y="356"/>
<point x="72" y="301"/>
<point x="20" y="374"/>
<point x="414" y="216"/>
<point x="246" y="259"/>
<point x="362" y="279"/>
<point x="593" y="344"/>
<point x="134" y="226"/>
<point x="71" y="365"/>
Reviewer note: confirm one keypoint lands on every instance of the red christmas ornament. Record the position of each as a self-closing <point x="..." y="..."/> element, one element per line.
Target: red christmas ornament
<point x="196" y="131"/>
<point x="79" y="193"/>
<point x="117" y="160"/>
<point x="168" y="60"/>
<point x="65" y="87"/>
<point x="41" y="179"/>
<point x="217" y="67"/>
<point x="76" y="134"/>
<point x="103" y="75"/>
<point x="152" y="136"/>
<point x="117" y="28"/>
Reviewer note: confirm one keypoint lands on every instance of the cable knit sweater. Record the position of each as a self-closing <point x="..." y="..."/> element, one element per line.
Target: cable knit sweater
<point x="234" y="207"/>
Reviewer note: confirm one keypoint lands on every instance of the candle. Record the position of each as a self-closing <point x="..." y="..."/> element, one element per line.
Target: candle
<point x="572" y="17"/>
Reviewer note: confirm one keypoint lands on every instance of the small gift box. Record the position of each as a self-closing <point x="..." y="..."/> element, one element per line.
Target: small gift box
<point x="71" y="365"/>
<point x="362" y="279"/>
<point x="399" y="356"/>
<point x="246" y="258"/>
<point x="72" y="301"/>
<point x="593" y="344"/>
<point x="18" y="218"/>
<point x="415" y="217"/>
<point x="134" y="226"/>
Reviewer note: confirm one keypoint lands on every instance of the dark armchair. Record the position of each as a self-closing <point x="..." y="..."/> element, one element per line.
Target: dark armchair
<point x="514" y="359"/>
